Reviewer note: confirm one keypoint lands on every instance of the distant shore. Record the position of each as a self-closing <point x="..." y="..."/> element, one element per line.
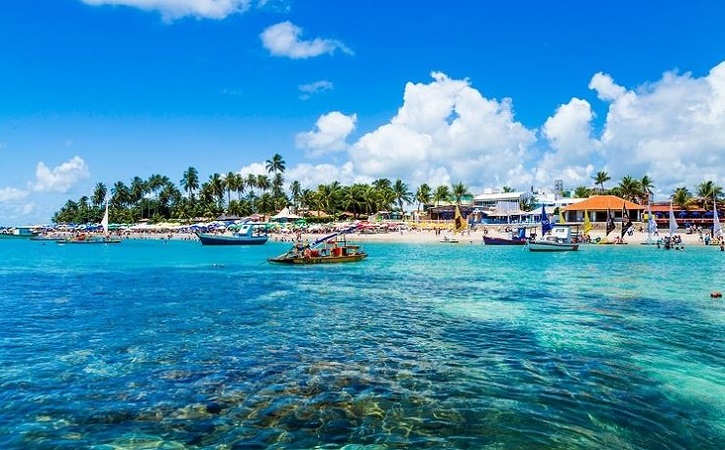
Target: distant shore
<point x="416" y="236"/>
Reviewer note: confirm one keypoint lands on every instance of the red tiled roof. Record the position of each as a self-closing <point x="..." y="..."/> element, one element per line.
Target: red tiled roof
<point x="602" y="203"/>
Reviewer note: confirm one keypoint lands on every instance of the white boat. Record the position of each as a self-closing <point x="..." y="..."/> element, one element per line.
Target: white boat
<point x="559" y="240"/>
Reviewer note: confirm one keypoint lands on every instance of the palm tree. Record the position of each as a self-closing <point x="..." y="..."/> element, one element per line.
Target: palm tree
<point x="402" y="193"/>
<point x="296" y="191"/>
<point x="276" y="164"/>
<point x="121" y="194"/>
<point x="216" y="189"/>
<point x="600" y="178"/>
<point x="423" y="195"/>
<point x="230" y="182"/>
<point x="647" y="186"/>
<point x="459" y="191"/>
<point x="582" y="192"/>
<point x="382" y="184"/>
<point x="629" y="188"/>
<point x="441" y="194"/>
<point x="263" y="183"/>
<point x="190" y="181"/>
<point x="507" y="189"/>
<point x="99" y="194"/>
<point x="708" y="190"/>
<point x="138" y="189"/>
<point x="682" y="197"/>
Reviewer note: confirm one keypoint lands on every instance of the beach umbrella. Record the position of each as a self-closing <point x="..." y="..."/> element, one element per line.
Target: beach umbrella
<point x="683" y="214"/>
<point x="696" y="214"/>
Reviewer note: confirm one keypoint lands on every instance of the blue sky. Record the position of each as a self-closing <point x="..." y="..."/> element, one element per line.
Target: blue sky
<point x="488" y="93"/>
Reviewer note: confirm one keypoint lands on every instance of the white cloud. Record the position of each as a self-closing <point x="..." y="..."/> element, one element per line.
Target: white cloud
<point x="572" y="148"/>
<point x="174" y="9"/>
<point x="62" y="178"/>
<point x="310" y="176"/>
<point x="329" y="136"/>
<point x="9" y="194"/>
<point x="445" y="130"/>
<point x="672" y="130"/>
<point x="314" y="88"/>
<point x="283" y="39"/>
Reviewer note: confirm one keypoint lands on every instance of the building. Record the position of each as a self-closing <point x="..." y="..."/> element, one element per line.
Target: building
<point x="599" y="206"/>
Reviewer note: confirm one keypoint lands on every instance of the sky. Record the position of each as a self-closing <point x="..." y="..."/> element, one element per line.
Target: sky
<point x="487" y="93"/>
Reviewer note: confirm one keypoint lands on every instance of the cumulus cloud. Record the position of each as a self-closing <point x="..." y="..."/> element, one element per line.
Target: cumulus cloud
<point x="174" y="9"/>
<point x="329" y="134"/>
<point x="671" y="129"/>
<point x="571" y="147"/>
<point x="445" y="130"/>
<point x="283" y="39"/>
<point x="308" y="90"/>
<point x="61" y="178"/>
<point x="9" y="194"/>
<point x="312" y="175"/>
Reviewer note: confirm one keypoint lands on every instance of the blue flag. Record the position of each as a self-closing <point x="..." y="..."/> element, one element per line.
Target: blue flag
<point x="545" y="224"/>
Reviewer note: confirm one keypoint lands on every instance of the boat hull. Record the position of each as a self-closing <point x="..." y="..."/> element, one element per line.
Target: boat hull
<point x="210" y="239"/>
<point x="502" y="241"/>
<point x="90" y="241"/>
<point x="319" y="259"/>
<point x="536" y="246"/>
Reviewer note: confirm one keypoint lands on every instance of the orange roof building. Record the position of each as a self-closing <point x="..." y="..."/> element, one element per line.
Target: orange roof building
<point x="597" y="207"/>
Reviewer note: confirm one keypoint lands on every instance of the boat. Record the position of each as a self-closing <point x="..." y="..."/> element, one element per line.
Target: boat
<point x="85" y="238"/>
<point x="651" y="228"/>
<point x="459" y="226"/>
<point x="672" y="241"/>
<point x="18" y="232"/>
<point x="559" y="240"/>
<point x="332" y="248"/>
<point x="248" y="233"/>
<point x="554" y="238"/>
<point x="519" y="238"/>
<point x="447" y="240"/>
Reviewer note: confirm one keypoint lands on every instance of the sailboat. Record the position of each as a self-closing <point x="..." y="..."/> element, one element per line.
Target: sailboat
<point x="716" y="226"/>
<point x="651" y="227"/>
<point x="553" y="238"/>
<point x="587" y="223"/>
<point x="84" y="238"/>
<point x="672" y="241"/>
<point x="459" y="225"/>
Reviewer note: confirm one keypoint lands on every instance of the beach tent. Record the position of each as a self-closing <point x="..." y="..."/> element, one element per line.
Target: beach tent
<point x="284" y="216"/>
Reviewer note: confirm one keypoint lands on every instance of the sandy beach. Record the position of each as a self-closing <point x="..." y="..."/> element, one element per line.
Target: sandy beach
<point x="475" y="237"/>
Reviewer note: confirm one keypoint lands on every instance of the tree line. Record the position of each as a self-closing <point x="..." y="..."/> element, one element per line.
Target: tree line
<point x="158" y="199"/>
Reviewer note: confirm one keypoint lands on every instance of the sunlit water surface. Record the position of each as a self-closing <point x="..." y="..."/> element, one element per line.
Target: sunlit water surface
<point x="148" y="344"/>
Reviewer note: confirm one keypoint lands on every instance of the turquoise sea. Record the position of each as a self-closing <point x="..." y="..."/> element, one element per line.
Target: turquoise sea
<point x="172" y="345"/>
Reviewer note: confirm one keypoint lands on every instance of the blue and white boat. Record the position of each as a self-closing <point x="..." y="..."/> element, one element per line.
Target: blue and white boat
<point x="248" y="233"/>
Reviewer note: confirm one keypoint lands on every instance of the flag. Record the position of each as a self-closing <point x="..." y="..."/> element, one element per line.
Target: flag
<point x="459" y="223"/>
<point x="587" y="223"/>
<point x="545" y="224"/>
<point x="610" y="222"/>
<point x="626" y="223"/>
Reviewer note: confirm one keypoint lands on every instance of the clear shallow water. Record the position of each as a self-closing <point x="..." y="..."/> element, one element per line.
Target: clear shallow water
<point x="173" y="345"/>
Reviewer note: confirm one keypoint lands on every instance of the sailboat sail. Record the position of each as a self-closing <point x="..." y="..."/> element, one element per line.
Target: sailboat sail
<point x="587" y="223"/>
<point x="610" y="222"/>
<point x="104" y="221"/>
<point x="459" y="223"/>
<point x="673" y="222"/>
<point x="546" y="225"/>
<point x="626" y="222"/>
<point x="651" y="224"/>
<point x="716" y="227"/>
